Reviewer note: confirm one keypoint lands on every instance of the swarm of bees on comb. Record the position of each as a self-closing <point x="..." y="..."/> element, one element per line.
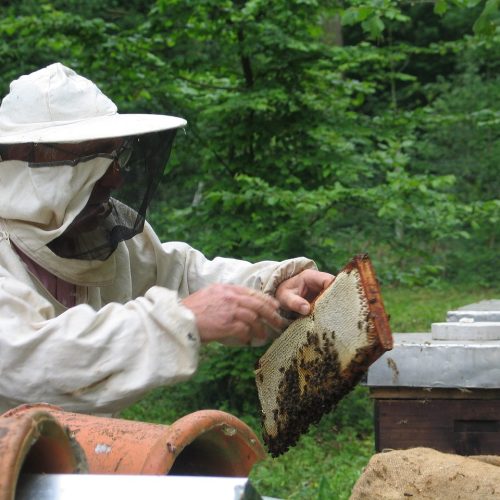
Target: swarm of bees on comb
<point x="320" y="357"/>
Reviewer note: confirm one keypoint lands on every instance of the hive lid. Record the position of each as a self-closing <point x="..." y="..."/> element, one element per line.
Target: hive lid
<point x="485" y="310"/>
<point x="419" y="361"/>
<point x="466" y="330"/>
<point x="483" y="305"/>
<point x="320" y="357"/>
<point x="479" y="321"/>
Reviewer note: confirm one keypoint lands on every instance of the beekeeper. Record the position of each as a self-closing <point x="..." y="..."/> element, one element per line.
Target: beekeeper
<point x="95" y="310"/>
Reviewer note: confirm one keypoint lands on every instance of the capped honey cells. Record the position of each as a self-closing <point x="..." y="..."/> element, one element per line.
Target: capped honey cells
<point x="319" y="358"/>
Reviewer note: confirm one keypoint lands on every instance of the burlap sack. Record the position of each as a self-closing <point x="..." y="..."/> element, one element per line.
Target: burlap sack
<point x="428" y="474"/>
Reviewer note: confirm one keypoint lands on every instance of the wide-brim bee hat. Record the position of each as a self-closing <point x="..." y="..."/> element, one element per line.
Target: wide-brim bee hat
<point x="56" y="105"/>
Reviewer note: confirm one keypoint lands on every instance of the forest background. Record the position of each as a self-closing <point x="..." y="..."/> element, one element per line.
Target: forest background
<point x="318" y="128"/>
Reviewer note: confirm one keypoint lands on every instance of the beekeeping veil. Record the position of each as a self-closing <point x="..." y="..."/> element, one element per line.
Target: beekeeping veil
<point x="55" y="111"/>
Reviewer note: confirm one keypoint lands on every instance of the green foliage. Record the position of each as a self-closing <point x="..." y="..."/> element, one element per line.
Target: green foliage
<point x="225" y="380"/>
<point x="324" y="465"/>
<point x="489" y="20"/>
<point x="298" y="143"/>
<point x="315" y="165"/>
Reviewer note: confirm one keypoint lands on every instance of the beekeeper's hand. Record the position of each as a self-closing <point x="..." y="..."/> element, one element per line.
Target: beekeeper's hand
<point x="233" y="314"/>
<point x="296" y="293"/>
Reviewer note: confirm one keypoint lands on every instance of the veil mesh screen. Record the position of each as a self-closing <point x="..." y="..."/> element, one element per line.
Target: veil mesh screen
<point x="114" y="219"/>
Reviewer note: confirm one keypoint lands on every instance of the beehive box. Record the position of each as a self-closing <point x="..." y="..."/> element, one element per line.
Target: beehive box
<point x="442" y="394"/>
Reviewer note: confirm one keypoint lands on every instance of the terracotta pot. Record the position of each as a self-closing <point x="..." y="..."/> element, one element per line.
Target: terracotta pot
<point x="35" y="442"/>
<point x="204" y="443"/>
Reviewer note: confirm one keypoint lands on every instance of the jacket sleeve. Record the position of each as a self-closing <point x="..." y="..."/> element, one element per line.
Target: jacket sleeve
<point x="87" y="360"/>
<point x="179" y="267"/>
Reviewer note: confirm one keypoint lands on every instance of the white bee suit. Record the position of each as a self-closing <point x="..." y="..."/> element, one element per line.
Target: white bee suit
<point x="128" y="332"/>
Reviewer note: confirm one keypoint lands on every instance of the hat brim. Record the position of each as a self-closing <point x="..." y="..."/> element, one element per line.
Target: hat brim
<point x="101" y="127"/>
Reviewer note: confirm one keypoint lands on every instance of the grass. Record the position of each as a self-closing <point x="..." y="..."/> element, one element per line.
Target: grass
<point x="413" y="310"/>
<point x="327" y="461"/>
